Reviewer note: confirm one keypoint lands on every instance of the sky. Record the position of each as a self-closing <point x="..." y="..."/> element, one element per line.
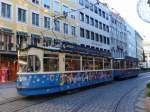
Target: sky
<point x="128" y="10"/>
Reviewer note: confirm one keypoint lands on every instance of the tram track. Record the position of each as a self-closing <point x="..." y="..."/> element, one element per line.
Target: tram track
<point x="116" y="107"/>
<point x="134" y="88"/>
<point x="18" y="104"/>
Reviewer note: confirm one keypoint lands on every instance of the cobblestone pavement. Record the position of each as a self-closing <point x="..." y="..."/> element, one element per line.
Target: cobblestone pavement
<point x="121" y="96"/>
<point x="8" y="91"/>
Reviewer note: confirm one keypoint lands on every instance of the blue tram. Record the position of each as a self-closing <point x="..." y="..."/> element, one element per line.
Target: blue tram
<point x="65" y="66"/>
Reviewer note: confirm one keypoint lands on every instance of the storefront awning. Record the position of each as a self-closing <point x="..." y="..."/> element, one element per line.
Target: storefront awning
<point x="47" y="38"/>
<point x="35" y="36"/>
<point x="25" y="34"/>
<point x="6" y="30"/>
<point x="131" y="58"/>
<point x="8" y="52"/>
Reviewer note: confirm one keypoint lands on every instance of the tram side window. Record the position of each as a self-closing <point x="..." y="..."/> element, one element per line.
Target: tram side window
<point x="122" y="64"/>
<point x="98" y="63"/>
<point x="51" y="63"/>
<point x="116" y="64"/>
<point x="33" y="64"/>
<point x="72" y="63"/>
<point x="87" y="63"/>
<point x="107" y="63"/>
<point x="135" y="64"/>
<point x="129" y="64"/>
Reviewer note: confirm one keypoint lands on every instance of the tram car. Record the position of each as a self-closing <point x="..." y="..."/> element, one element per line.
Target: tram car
<point x="63" y="66"/>
<point x="125" y="68"/>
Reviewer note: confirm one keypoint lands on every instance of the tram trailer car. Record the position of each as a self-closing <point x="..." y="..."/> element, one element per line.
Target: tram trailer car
<point x="51" y="70"/>
<point x="125" y="68"/>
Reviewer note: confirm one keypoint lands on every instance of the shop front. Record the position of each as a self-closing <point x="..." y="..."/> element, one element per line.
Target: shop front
<point x="8" y="67"/>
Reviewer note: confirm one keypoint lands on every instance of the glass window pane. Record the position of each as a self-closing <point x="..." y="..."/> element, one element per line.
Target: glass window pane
<point x="51" y="62"/>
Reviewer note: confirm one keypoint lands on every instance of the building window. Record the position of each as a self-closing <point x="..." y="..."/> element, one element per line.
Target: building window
<point x="81" y="32"/>
<point x="104" y="27"/>
<point x="87" y="19"/>
<point x="108" y="41"/>
<point x="65" y="10"/>
<point x="107" y="17"/>
<point x="96" y="23"/>
<point x="73" y="14"/>
<point x="21" y="15"/>
<point x="103" y="14"/>
<point x="81" y="16"/>
<point x="35" y="1"/>
<point x="92" y="21"/>
<point x="5" y="10"/>
<point x="35" y="19"/>
<point x="57" y="7"/>
<point x="86" y="4"/>
<point x="100" y="12"/>
<point x="65" y="28"/>
<point x="107" y="28"/>
<point x="73" y="30"/>
<point x="95" y="9"/>
<point x="101" y="38"/>
<point x="92" y="35"/>
<point x="96" y="37"/>
<point x="87" y="34"/>
<point x="104" y="40"/>
<point x="57" y="25"/>
<point x="47" y="4"/>
<point x="100" y="25"/>
<point x="47" y="22"/>
<point x="91" y="7"/>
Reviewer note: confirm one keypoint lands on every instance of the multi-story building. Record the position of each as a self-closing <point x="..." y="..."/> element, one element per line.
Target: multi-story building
<point x="131" y="41"/>
<point x="28" y="21"/>
<point x="139" y="46"/>
<point x="118" y="36"/>
<point x="94" y="31"/>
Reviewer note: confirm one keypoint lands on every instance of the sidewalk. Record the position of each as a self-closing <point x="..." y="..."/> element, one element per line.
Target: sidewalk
<point x="8" y="92"/>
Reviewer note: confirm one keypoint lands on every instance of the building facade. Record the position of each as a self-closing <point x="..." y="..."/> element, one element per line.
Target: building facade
<point x="118" y="36"/>
<point x="131" y="41"/>
<point x="139" y="46"/>
<point x="94" y="30"/>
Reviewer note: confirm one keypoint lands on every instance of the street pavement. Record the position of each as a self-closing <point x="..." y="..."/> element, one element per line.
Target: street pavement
<point x="119" y="96"/>
<point x="8" y="91"/>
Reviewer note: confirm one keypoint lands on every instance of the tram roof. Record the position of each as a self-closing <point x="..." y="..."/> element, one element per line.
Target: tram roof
<point x="73" y="48"/>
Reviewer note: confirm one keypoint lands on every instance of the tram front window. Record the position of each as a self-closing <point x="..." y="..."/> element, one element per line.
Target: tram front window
<point x="33" y="64"/>
<point x="29" y="63"/>
<point x="22" y="63"/>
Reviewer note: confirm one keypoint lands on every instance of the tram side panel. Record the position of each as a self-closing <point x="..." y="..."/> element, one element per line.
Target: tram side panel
<point x="36" y="84"/>
<point x="120" y="74"/>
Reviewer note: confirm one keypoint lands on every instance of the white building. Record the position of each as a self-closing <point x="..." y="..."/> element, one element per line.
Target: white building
<point x="118" y="36"/>
<point x="139" y="46"/>
<point x="131" y="41"/>
<point x="94" y="30"/>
